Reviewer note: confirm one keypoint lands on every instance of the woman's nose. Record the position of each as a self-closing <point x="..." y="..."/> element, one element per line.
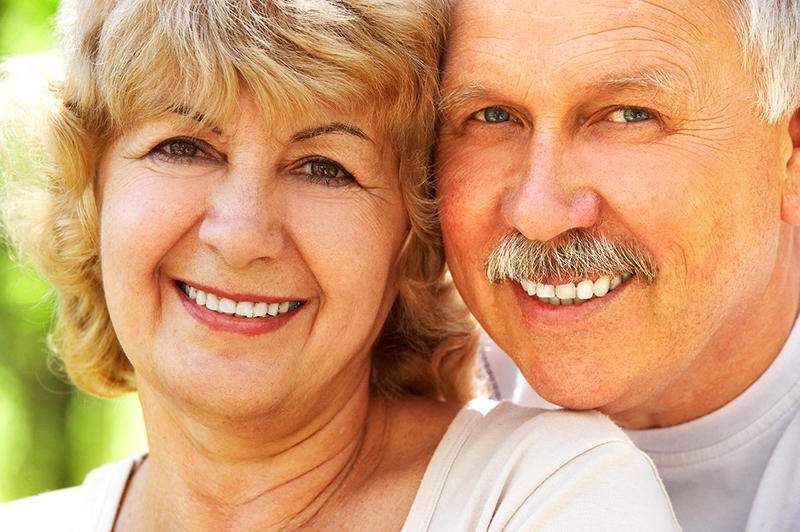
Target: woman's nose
<point x="244" y="220"/>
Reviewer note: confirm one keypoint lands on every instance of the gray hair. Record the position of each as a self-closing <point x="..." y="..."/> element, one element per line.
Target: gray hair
<point x="771" y="33"/>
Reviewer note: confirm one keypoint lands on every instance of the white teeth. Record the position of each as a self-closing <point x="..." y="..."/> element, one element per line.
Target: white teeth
<point x="243" y="309"/>
<point x="529" y="287"/>
<point x="545" y="290"/>
<point x="585" y="289"/>
<point x="571" y="293"/>
<point x="227" y="306"/>
<point x="602" y="285"/>
<point x="566" y="291"/>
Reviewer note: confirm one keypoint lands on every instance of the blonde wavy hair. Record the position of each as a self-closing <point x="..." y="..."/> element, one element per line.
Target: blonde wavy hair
<point x="125" y="61"/>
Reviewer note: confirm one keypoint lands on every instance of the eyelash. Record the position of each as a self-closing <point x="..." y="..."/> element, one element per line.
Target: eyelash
<point x="203" y="152"/>
<point x="477" y="114"/>
<point x="343" y="179"/>
<point x="652" y="115"/>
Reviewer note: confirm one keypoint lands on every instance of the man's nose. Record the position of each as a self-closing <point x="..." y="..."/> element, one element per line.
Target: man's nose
<point x="548" y="198"/>
<point x="245" y="217"/>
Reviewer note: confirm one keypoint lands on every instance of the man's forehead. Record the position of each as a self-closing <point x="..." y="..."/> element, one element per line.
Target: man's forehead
<point x="610" y="46"/>
<point x="509" y="25"/>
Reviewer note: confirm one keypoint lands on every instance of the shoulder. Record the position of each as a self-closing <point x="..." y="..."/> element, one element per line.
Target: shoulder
<point x="561" y="434"/>
<point x="503" y="466"/>
<point x="84" y="508"/>
<point x="544" y="441"/>
<point x="49" y="511"/>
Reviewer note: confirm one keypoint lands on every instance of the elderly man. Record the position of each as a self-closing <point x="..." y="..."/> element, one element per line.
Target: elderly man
<point x="619" y="187"/>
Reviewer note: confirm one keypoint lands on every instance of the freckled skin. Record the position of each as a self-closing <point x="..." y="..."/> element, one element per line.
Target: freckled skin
<point x="703" y="184"/>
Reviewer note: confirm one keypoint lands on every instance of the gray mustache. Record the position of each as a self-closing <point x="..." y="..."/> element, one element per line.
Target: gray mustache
<point x="576" y="255"/>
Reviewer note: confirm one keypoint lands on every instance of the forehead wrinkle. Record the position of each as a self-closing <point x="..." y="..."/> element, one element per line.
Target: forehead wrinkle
<point x="673" y="12"/>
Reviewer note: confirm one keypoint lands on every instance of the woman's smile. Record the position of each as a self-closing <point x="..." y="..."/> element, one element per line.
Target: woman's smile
<point x="246" y="317"/>
<point x="243" y="309"/>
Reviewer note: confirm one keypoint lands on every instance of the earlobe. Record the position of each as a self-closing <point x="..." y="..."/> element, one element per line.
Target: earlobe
<point x="790" y="204"/>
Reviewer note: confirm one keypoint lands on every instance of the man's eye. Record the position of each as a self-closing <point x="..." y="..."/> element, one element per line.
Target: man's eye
<point x="630" y="115"/>
<point x="493" y="115"/>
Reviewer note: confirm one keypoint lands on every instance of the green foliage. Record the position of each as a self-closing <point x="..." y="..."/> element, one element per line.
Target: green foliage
<point x="51" y="434"/>
<point x="25" y="25"/>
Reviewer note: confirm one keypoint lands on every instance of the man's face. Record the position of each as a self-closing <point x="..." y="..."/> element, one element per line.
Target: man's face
<point x="635" y="122"/>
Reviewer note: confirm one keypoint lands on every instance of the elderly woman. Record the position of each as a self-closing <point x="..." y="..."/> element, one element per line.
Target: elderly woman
<point x="238" y="224"/>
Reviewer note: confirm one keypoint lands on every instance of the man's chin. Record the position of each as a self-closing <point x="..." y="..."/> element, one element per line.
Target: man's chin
<point x="576" y="389"/>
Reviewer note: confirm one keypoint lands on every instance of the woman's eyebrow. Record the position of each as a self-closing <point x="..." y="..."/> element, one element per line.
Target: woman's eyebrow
<point x="197" y="117"/>
<point x="334" y="127"/>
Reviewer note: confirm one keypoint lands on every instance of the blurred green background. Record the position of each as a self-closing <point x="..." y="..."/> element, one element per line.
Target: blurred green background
<point x="51" y="435"/>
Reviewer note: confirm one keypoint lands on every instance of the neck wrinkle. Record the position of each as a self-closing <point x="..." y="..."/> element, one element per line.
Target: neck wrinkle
<point x="190" y="482"/>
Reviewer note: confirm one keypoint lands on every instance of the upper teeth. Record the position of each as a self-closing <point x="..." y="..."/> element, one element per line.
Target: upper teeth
<point x="569" y="293"/>
<point x="244" y="309"/>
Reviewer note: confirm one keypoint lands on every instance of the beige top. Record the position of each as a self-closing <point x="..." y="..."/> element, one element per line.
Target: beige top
<point x="498" y="467"/>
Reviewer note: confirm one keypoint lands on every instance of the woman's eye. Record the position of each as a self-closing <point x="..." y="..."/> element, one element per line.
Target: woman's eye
<point x="630" y="115"/>
<point x="493" y="115"/>
<point x="181" y="149"/>
<point x="184" y="150"/>
<point x="327" y="172"/>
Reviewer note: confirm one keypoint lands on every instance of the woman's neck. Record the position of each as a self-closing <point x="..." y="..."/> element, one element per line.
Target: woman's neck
<point x="254" y="475"/>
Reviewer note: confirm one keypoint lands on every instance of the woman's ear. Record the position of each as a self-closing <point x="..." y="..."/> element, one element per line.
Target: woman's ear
<point x="790" y="204"/>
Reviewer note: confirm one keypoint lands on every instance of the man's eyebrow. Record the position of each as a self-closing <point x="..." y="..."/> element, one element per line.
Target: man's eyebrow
<point x="334" y="127"/>
<point x="460" y="95"/>
<point x="648" y="80"/>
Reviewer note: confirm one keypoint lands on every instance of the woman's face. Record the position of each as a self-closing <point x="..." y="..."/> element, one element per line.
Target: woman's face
<point x="292" y="227"/>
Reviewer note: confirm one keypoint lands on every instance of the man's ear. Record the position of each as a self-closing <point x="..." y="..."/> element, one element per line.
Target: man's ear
<point x="790" y="204"/>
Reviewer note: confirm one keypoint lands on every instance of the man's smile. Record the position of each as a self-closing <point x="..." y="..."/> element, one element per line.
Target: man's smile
<point x="574" y="292"/>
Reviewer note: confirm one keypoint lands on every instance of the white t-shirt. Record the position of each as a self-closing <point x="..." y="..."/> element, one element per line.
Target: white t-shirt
<point x="499" y="467"/>
<point x="736" y="469"/>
